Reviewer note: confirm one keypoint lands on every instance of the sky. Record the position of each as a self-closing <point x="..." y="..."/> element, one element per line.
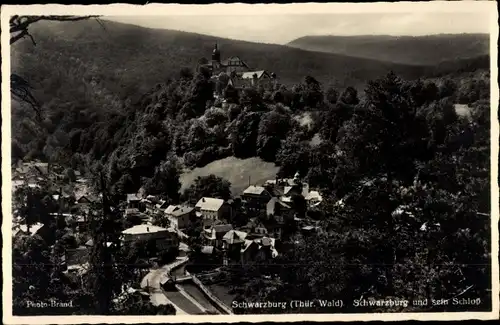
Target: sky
<point x="281" y="28"/>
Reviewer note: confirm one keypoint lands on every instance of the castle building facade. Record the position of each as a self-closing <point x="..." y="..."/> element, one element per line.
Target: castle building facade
<point x="235" y="72"/>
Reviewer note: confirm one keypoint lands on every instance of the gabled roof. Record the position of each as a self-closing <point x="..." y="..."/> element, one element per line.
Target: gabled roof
<point x="250" y="74"/>
<point x="90" y="243"/>
<point x="314" y="195"/>
<point x="132" y="197"/>
<point x="131" y="211"/>
<point x="233" y="58"/>
<point x="143" y="229"/>
<point x="257" y="190"/>
<point x="70" y="216"/>
<point x="234" y="236"/>
<point x="161" y="204"/>
<point x="43" y="168"/>
<point x="182" y="211"/>
<point x="207" y="249"/>
<point x="271" y="205"/>
<point x="224" y="228"/>
<point x="84" y="199"/>
<point x="33" y="229"/>
<point x="247" y="244"/>
<point x="209" y="204"/>
<point x="171" y="208"/>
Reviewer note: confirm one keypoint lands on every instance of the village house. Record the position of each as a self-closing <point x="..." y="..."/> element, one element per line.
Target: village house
<point x="313" y="199"/>
<point x="84" y="203"/>
<point x="136" y="216"/>
<point x="286" y="188"/>
<point x="309" y="230"/>
<point x="76" y="262"/>
<point x="17" y="182"/>
<point x="213" y="235"/>
<point x="81" y="222"/>
<point x="84" y="200"/>
<point x="32" y="169"/>
<point x="25" y="230"/>
<point x="78" y="221"/>
<point x="65" y="199"/>
<point x="255" y="198"/>
<point x="90" y="243"/>
<point x="211" y="210"/>
<point x="233" y="237"/>
<point x="207" y="250"/>
<point x="233" y="242"/>
<point x="133" y="201"/>
<point x="255" y="228"/>
<point x="258" y="250"/>
<point x="163" y="238"/>
<point x="180" y="216"/>
<point x="160" y="206"/>
<point x="277" y="213"/>
<point x="149" y="203"/>
<point x="275" y="207"/>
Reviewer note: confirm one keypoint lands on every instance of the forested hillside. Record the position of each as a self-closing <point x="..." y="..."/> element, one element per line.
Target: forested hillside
<point x="125" y="59"/>
<point x="84" y="74"/>
<point x="425" y="50"/>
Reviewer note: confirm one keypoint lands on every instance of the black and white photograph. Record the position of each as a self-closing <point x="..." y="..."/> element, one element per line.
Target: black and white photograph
<point x="229" y="160"/>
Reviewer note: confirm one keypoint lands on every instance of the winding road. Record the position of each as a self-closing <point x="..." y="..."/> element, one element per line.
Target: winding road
<point x="152" y="282"/>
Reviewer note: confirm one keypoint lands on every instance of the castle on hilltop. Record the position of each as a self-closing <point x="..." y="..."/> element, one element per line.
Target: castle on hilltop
<point x="235" y="72"/>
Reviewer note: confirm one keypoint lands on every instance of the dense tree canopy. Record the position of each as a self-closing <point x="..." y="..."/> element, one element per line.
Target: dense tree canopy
<point x="208" y="186"/>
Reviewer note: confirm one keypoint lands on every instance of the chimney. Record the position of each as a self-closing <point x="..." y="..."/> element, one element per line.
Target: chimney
<point x="202" y="199"/>
<point x="147" y="229"/>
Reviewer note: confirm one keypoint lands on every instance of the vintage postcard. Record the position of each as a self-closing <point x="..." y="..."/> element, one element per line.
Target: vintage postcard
<point x="237" y="162"/>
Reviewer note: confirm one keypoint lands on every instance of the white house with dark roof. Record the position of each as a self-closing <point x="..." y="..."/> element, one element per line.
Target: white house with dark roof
<point x="179" y="216"/>
<point x="211" y="210"/>
<point x="163" y="237"/>
<point x="144" y="232"/>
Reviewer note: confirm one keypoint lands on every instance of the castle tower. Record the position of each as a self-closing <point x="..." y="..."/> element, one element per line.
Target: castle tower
<point x="216" y="54"/>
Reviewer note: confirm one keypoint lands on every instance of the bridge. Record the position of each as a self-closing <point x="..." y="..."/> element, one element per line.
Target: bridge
<point x="182" y="278"/>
